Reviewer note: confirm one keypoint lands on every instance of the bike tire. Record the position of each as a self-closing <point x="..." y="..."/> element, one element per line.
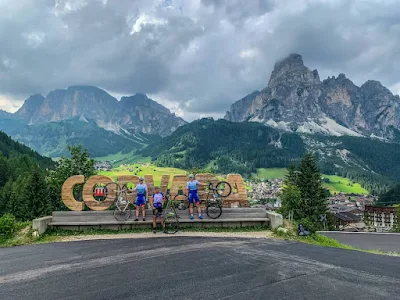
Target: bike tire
<point x="171" y="224"/>
<point x="223" y="189"/>
<point x="113" y="189"/>
<point x="122" y="215"/>
<point x="178" y="200"/>
<point x="214" y="210"/>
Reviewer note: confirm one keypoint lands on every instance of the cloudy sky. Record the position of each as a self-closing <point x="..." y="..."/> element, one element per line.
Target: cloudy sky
<point x="194" y="56"/>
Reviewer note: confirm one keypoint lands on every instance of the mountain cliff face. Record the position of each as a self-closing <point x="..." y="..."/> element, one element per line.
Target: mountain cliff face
<point x="135" y="114"/>
<point x="88" y="116"/>
<point x="297" y="100"/>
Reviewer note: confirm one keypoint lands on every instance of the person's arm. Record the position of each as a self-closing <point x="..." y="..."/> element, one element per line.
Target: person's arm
<point x="187" y="189"/>
<point x="163" y="199"/>
<point x="201" y="185"/>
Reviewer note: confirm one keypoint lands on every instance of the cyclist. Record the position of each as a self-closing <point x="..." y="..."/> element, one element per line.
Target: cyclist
<point x="191" y="191"/>
<point x="157" y="203"/>
<point x="141" y="189"/>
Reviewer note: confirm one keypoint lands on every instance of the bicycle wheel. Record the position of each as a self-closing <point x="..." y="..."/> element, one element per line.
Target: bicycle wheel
<point x="112" y="190"/>
<point x="213" y="210"/>
<point x="171" y="223"/>
<point x="122" y="210"/>
<point x="179" y="202"/>
<point x="122" y="214"/>
<point x="223" y="189"/>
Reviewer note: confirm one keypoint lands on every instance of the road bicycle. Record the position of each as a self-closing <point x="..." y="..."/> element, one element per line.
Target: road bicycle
<point x="171" y="218"/>
<point x="113" y="191"/>
<point x="214" y="198"/>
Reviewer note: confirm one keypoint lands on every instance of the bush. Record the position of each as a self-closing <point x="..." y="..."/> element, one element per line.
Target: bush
<point x="7" y="226"/>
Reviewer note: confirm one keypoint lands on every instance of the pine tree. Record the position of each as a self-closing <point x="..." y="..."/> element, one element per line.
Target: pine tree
<point x="29" y="197"/>
<point x="313" y="199"/>
<point x="37" y="196"/>
<point x="17" y="203"/>
<point x="291" y="176"/>
<point x="291" y="193"/>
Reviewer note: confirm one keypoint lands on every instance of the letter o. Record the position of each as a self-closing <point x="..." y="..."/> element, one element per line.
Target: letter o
<point x="88" y="198"/>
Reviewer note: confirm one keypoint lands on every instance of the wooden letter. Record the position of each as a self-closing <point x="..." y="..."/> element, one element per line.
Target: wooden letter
<point x="67" y="194"/>
<point x="88" y="198"/>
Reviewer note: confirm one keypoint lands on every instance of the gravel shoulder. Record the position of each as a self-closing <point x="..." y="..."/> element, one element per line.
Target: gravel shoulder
<point x="141" y="235"/>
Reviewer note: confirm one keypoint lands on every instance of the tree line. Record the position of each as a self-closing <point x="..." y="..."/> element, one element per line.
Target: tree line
<point x="30" y="185"/>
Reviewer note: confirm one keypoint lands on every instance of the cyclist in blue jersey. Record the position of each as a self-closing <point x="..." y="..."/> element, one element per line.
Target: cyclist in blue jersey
<point x="157" y="203"/>
<point x="141" y="189"/>
<point x="193" y="196"/>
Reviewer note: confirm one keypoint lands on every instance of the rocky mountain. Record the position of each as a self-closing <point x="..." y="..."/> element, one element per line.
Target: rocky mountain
<point x="89" y="116"/>
<point x="297" y="100"/>
<point x="135" y="114"/>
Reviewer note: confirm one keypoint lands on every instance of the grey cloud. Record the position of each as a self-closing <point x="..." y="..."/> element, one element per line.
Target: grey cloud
<point x="204" y="55"/>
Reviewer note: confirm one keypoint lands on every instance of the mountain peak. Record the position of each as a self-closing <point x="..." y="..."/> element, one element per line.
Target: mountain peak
<point x="30" y="105"/>
<point x="138" y="99"/>
<point x="374" y="84"/>
<point x="84" y="87"/>
<point x="290" y="61"/>
<point x="292" y="69"/>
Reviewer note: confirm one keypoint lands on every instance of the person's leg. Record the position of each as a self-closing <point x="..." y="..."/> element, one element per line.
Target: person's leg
<point x="191" y="205"/>
<point x="154" y="223"/>
<point x="137" y="209"/>
<point x="144" y="211"/>
<point x="162" y="220"/>
<point x="198" y="206"/>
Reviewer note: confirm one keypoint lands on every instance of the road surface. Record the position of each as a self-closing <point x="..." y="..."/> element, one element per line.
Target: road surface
<point x="387" y="242"/>
<point x="194" y="268"/>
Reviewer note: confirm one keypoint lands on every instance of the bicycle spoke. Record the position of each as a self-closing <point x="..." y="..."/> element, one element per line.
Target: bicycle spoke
<point x="213" y="209"/>
<point x="171" y="224"/>
<point x="223" y="189"/>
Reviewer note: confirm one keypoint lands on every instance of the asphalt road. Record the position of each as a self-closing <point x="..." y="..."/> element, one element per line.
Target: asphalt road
<point x="387" y="242"/>
<point x="194" y="268"/>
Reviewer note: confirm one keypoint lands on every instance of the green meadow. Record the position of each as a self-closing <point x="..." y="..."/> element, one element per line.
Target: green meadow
<point x="141" y="170"/>
<point x="336" y="183"/>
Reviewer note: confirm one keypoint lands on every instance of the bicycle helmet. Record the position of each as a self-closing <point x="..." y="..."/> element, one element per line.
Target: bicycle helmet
<point x="191" y="176"/>
<point x="141" y="178"/>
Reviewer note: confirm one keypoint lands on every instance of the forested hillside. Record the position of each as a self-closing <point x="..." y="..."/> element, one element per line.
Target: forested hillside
<point x="22" y="172"/>
<point x="224" y="147"/>
<point x="391" y="197"/>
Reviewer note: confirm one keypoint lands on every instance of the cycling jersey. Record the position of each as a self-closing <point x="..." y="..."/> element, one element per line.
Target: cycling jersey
<point x="192" y="185"/>
<point x="157" y="199"/>
<point x="141" y="188"/>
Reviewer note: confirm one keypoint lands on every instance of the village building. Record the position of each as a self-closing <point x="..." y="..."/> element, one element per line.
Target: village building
<point x="384" y="218"/>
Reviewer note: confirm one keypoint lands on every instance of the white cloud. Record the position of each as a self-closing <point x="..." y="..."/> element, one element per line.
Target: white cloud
<point x="145" y="19"/>
<point x="249" y="53"/>
<point x="34" y="39"/>
<point x="9" y="104"/>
